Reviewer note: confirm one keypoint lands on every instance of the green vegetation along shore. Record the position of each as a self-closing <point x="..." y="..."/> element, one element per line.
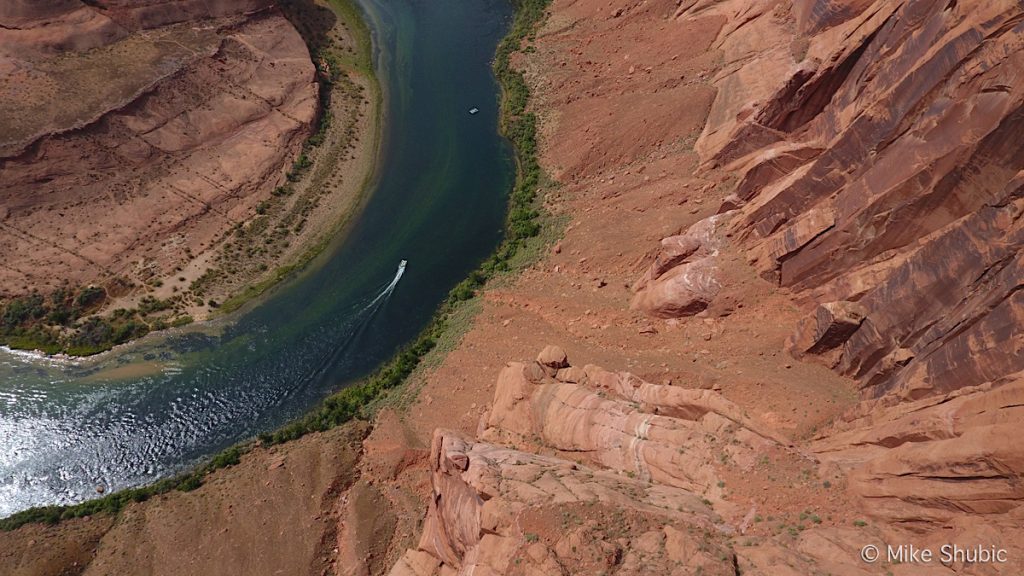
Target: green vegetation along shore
<point x="65" y="321"/>
<point x="331" y="61"/>
<point x="80" y="321"/>
<point x="525" y="236"/>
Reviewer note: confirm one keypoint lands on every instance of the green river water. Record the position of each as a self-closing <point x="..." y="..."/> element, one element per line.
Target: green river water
<point x="158" y="406"/>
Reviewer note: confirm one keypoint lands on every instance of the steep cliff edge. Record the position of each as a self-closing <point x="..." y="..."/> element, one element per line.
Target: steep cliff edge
<point x="861" y="162"/>
<point x="157" y="152"/>
<point x="877" y="148"/>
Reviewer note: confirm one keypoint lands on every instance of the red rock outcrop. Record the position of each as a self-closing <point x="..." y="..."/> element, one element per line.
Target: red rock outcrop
<point x="937" y="460"/>
<point x="496" y="510"/>
<point x="41" y="27"/>
<point x="832" y="325"/>
<point x="134" y="133"/>
<point x="878" y="148"/>
<point x="665" y="434"/>
<point x="606" y="498"/>
<point x="500" y="511"/>
<point x="628" y="501"/>
<point x="682" y="281"/>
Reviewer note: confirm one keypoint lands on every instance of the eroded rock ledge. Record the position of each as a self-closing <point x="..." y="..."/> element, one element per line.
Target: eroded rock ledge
<point x="582" y="470"/>
<point x="878" y="148"/>
<point x="136" y="133"/>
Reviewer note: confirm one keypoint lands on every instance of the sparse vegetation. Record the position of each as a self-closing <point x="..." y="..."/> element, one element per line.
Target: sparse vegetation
<point x="66" y="321"/>
<point x="113" y="503"/>
<point x="522" y="224"/>
<point x="240" y="269"/>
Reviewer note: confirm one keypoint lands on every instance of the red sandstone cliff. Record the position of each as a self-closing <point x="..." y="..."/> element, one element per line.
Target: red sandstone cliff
<point x="866" y="160"/>
<point x="879" y="159"/>
<point x="134" y="133"/>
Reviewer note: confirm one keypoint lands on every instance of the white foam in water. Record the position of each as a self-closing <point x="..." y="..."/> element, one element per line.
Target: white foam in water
<point x="58" y="456"/>
<point x="394" y="282"/>
<point x="39" y="357"/>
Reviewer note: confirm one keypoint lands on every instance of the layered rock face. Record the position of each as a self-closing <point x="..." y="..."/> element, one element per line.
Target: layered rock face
<point x="877" y="144"/>
<point x="629" y="501"/>
<point x="501" y="511"/>
<point x="951" y="459"/>
<point x="582" y="470"/>
<point x="133" y="133"/>
<point x="494" y="509"/>
<point x="665" y="434"/>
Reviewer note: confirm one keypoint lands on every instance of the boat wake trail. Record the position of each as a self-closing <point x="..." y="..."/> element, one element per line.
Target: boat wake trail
<point x="355" y="328"/>
<point x="120" y="433"/>
<point x="386" y="293"/>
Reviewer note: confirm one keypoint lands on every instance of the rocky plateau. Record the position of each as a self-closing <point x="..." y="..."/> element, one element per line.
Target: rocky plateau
<point x="134" y="134"/>
<point x="781" y="322"/>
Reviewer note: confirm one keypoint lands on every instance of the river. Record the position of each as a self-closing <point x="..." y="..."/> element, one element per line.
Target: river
<point x="156" y="407"/>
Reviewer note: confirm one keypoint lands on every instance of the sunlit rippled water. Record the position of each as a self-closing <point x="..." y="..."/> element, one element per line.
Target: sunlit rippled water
<point x="122" y="432"/>
<point x="150" y="409"/>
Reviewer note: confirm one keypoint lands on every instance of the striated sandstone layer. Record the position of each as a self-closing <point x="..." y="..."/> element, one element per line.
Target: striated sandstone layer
<point x="703" y="447"/>
<point x="494" y="511"/>
<point x="944" y="459"/>
<point x="567" y="481"/>
<point x="663" y="434"/>
<point x="133" y="134"/>
<point x="877" y="145"/>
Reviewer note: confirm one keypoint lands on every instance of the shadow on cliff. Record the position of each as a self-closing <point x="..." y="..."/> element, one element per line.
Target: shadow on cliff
<point x="313" y="22"/>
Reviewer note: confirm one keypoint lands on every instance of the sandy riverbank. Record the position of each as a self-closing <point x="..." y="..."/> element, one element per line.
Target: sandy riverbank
<point x="642" y="444"/>
<point x="230" y="194"/>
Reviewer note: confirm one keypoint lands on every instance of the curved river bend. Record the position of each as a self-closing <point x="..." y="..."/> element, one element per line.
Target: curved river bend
<point x="160" y="405"/>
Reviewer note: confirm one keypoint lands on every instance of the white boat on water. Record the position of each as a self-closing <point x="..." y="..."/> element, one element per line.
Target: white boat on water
<point x="474" y="110"/>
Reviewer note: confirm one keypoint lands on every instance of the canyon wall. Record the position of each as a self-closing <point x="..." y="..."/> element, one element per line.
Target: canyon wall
<point x="863" y="161"/>
<point x="877" y="150"/>
<point x="134" y="133"/>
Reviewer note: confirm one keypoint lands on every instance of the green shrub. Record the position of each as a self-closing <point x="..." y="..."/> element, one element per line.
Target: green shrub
<point x="19" y="311"/>
<point x="521" y="129"/>
<point x="190" y="483"/>
<point x="229" y="457"/>
<point x="90" y="297"/>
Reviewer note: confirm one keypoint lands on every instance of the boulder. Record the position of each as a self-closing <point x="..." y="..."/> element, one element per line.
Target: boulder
<point x="553" y="358"/>
<point x="683" y="279"/>
<point x="828" y="328"/>
<point x="673" y="251"/>
<point x="685" y="290"/>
